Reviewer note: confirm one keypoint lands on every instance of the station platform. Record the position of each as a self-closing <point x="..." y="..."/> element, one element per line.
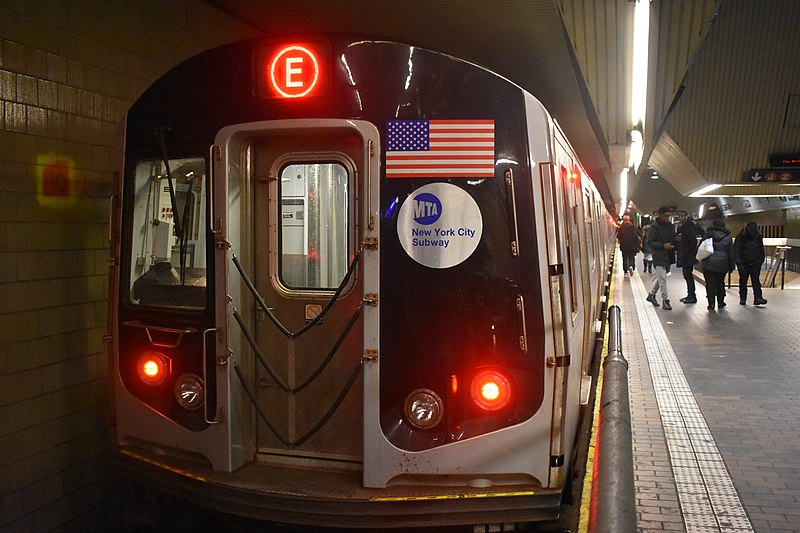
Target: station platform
<point x="715" y="407"/>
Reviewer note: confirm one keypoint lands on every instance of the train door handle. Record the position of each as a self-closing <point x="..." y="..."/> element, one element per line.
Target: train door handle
<point x="523" y="339"/>
<point x="509" y="176"/>
<point x="163" y="343"/>
<point x="220" y="362"/>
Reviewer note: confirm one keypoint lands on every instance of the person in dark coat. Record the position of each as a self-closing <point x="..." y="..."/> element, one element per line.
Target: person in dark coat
<point x="629" y="238"/>
<point x="748" y="252"/>
<point x="661" y="239"/>
<point x="687" y="248"/>
<point x="719" y="263"/>
<point x="647" y="253"/>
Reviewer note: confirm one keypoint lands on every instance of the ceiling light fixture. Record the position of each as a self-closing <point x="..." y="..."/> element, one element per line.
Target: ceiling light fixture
<point x="704" y="190"/>
<point x="641" y="36"/>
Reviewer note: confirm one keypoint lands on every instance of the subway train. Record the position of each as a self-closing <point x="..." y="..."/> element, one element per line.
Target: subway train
<point x="355" y="283"/>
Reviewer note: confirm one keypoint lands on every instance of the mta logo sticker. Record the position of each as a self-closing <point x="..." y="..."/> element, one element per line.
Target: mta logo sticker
<point x="439" y="225"/>
<point x="427" y="209"/>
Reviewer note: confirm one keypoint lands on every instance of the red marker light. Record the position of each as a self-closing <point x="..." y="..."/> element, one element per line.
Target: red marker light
<point x="491" y="390"/>
<point x="152" y="368"/>
<point x="294" y="71"/>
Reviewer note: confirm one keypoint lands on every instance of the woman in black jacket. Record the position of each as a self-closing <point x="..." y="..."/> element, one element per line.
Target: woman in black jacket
<point x="748" y="251"/>
<point x="716" y="265"/>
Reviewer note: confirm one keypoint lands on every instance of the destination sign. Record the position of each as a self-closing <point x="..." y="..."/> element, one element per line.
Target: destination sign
<point x="771" y="176"/>
<point x="784" y="160"/>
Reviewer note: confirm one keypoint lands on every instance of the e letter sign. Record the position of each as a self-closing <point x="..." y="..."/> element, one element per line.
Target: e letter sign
<point x="295" y="70"/>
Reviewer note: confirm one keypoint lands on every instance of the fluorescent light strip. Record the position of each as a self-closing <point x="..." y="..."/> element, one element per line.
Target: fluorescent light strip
<point x="641" y="32"/>
<point x="704" y="190"/>
<point x="623" y="191"/>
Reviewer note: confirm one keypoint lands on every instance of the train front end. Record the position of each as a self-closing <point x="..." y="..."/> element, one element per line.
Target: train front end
<point x="330" y="301"/>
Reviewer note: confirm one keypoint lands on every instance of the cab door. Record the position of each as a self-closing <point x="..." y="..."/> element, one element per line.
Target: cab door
<point x="309" y="183"/>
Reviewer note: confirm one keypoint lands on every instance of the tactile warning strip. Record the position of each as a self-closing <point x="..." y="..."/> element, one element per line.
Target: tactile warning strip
<point x="707" y="497"/>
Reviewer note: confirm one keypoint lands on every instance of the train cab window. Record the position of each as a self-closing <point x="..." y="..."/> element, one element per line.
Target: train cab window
<point x="167" y="237"/>
<point x="313" y="222"/>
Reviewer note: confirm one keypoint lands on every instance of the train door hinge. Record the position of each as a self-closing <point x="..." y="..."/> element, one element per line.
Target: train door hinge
<point x="370" y="355"/>
<point x="556" y="270"/>
<point x="370" y="243"/>
<point x="558" y="362"/>
<point x="556" y="461"/>
<point x="371" y="299"/>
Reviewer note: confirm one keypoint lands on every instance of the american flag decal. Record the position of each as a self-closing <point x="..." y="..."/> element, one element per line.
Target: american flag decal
<point x="440" y="149"/>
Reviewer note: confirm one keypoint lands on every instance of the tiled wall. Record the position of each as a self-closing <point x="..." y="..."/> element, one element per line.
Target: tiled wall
<point x="68" y="71"/>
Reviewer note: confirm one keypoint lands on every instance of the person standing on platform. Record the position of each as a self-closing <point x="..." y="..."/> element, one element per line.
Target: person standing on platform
<point x="719" y="263"/>
<point x="629" y="238"/>
<point x="647" y="253"/>
<point x="748" y="251"/>
<point x="662" y="239"/>
<point x="687" y="248"/>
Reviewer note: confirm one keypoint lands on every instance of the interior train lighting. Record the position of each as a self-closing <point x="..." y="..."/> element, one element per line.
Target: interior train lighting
<point x="153" y="367"/>
<point x="491" y="390"/>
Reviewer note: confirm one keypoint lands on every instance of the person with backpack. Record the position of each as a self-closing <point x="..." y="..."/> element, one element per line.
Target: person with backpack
<point x="718" y="264"/>
<point x="630" y="239"/>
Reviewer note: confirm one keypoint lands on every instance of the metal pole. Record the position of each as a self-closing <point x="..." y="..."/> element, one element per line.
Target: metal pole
<point x="613" y="505"/>
<point x="783" y="265"/>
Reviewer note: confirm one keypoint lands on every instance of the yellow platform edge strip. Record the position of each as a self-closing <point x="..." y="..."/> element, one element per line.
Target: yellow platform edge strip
<point x="457" y="496"/>
<point x="586" y="495"/>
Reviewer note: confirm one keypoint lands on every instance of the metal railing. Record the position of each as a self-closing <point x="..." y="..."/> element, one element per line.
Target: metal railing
<point x="613" y="504"/>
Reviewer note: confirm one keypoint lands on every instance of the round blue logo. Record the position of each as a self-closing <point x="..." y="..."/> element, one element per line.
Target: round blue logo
<point x="427" y="208"/>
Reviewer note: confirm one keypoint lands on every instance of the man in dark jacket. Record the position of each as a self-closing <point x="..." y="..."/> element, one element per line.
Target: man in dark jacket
<point x="661" y="239"/>
<point x="629" y="238"/>
<point x="748" y="252"/>
<point x="718" y="264"/>
<point x="687" y="249"/>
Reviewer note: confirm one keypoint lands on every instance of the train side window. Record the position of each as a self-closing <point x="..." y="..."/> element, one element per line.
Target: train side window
<point x="573" y="255"/>
<point x="589" y="217"/>
<point x="167" y="239"/>
<point x="313" y="225"/>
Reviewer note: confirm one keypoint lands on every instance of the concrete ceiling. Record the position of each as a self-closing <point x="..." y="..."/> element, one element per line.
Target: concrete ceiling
<point x="722" y="74"/>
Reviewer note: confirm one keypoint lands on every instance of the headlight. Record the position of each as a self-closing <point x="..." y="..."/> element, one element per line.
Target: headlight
<point x="189" y="391"/>
<point x="424" y="408"/>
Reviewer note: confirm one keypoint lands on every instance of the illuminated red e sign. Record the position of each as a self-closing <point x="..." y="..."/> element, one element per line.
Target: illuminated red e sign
<point x="290" y="71"/>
